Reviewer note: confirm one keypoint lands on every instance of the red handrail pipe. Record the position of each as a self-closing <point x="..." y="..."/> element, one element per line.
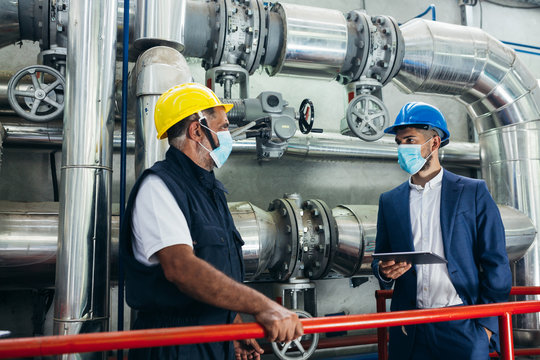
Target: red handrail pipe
<point x="51" y="345"/>
<point x="505" y="323"/>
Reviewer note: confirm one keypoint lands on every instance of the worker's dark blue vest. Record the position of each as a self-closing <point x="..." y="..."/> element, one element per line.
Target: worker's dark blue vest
<point x="215" y="239"/>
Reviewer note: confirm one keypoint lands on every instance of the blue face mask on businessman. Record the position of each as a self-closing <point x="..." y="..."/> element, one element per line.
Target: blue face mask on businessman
<point x="410" y="157"/>
<point x="220" y="153"/>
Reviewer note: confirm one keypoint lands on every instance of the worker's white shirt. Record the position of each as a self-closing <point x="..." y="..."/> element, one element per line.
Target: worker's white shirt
<point x="433" y="286"/>
<point x="157" y="221"/>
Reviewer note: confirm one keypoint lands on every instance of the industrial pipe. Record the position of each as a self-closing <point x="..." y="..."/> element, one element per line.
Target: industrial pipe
<point x="50" y="345"/>
<point x="84" y="225"/>
<point x="28" y="240"/>
<point x="313" y="146"/>
<point x="156" y="71"/>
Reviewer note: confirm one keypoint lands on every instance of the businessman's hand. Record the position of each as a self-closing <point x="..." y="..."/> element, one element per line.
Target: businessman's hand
<point x="393" y="270"/>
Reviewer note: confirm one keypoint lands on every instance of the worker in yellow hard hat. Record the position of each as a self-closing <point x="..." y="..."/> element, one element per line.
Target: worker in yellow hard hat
<point x="181" y="249"/>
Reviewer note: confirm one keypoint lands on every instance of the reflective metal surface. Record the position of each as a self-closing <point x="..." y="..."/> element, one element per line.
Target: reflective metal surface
<point x="315" y="41"/>
<point x="160" y="22"/>
<point x="9" y="22"/>
<point x="258" y="230"/>
<point x="338" y="146"/>
<point x="485" y="75"/>
<point x="511" y="167"/>
<point x="357" y="228"/>
<point x="82" y="269"/>
<point x="29" y="241"/>
<point x="156" y="71"/>
<point x="29" y="232"/>
<point x="326" y="145"/>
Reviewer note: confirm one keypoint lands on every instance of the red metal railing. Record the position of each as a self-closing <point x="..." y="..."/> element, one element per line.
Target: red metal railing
<point x="50" y="345"/>
<point x="506" y="321"/>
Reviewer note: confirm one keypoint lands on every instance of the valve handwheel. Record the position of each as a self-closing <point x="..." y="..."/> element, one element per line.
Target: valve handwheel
<point x="367" y="117"/>
<point x="301" y="348"/>
<point x="42" y="98"/>
<point x="307" y="111"/>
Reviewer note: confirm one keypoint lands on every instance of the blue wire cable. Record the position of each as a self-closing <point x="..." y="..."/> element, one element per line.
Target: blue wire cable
<point x="521" y="45"/>
<point x="433" y="13"/>
<point x="120" y="352"/>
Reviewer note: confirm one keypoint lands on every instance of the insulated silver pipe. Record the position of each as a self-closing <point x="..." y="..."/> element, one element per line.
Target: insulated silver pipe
<point x="511" y="167"/>
<point x="28" y="238"/>
<point x="160" y="22"/>
<point x="84" y="230"/>
<point x="466" y="62"/>
<point x="9" y="23"/>
<point x="156" y="71"/>
<point x="503" y="99"/>
<point x="313" y="146"/>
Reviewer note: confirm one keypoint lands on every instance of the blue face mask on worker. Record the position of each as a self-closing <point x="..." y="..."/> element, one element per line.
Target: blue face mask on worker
<point x="410" y="157"/>
<point x="220" y="153"/>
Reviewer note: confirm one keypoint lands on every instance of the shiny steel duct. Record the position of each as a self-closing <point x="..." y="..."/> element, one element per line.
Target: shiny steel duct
<point x="313" y="146"/>
<point x="9" y="23"/>
<point x="503" y="99"/>
<point x="160" y="22"/>
<point x="84" y="230"/>
<point x="29" y="231"/>
<point x="314" y="41"/>
<point x="156" y="70"/>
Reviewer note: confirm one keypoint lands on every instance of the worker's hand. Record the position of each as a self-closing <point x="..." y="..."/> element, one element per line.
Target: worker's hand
<point x="280" y="324"/>
<point x="247" y="349"/>
<point x="393" y="270"/>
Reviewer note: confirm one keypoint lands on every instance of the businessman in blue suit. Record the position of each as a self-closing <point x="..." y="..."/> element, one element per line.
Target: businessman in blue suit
<point x="454" y="217"/>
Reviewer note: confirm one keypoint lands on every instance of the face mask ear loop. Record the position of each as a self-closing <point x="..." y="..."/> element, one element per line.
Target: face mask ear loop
<point x="206" y="129"/>
<point x="431" y="153"/>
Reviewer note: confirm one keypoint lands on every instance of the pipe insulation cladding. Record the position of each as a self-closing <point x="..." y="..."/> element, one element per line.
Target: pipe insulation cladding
<point x="84" y="225"/>
<point x="29" y="236"/>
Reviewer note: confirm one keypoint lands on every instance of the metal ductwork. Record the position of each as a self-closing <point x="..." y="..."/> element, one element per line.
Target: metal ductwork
<point x="293" y="239"/>
<point x="313" y="146"/>
<point x="84" y="230"/>
<point x="156" y="70"/>
<point x="365" y="52"/>
<point x="503" y="99"/>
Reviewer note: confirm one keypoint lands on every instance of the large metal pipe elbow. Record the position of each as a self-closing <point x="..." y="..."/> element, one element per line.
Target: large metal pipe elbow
<point x="466" y="62"/>
<point x="156" y="70"/>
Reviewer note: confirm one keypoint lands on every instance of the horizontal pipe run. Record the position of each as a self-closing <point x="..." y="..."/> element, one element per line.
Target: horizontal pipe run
<point x="326" y="145"/>
<point x="50" y="345"/>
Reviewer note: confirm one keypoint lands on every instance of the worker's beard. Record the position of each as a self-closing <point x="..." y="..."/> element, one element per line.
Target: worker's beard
<point x="205" y="159"/>
<point x="427" y="164"/>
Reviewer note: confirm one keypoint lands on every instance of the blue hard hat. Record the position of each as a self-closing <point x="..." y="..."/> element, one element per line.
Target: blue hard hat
<point x="421" y="115"/>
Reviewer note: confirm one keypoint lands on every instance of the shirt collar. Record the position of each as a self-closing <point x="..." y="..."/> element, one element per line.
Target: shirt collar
<point x="431" y="184"/>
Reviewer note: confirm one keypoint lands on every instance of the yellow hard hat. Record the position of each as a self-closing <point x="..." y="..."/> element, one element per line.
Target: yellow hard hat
<point x="181" y="101"/>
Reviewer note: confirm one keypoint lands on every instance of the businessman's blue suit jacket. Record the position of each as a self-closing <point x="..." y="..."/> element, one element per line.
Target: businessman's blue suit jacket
<point x="474" y="245"/>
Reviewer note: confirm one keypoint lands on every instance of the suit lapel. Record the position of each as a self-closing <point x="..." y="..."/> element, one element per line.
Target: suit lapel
<point x="450" y="193"/>
<point x="401" y="206"/>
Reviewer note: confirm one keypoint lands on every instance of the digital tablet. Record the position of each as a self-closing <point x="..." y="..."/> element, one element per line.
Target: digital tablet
<point x="413" y="257"/>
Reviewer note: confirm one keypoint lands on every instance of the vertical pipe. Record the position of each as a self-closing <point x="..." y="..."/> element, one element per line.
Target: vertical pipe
<point x="84" y="231"/>
<point x="156" y="70"/>
<point x="507" y="341"/>
<point x="120" y="320"/>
